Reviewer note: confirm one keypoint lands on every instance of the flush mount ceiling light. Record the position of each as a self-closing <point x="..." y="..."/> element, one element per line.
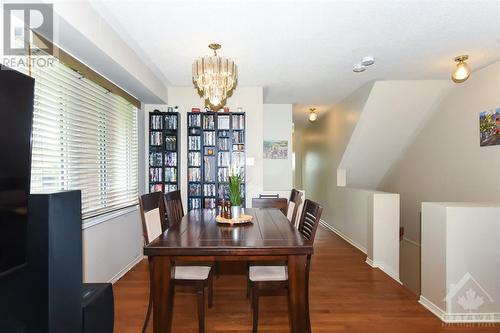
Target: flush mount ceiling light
<point x="215" y="78"/>
<point x="462" y="71"/>
<point x="313" y="116"/>
<point x="358" y="68"/>
<point x="361" y="66"/>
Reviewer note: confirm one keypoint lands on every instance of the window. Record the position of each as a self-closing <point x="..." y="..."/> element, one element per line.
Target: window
<point x="84" y="137"/>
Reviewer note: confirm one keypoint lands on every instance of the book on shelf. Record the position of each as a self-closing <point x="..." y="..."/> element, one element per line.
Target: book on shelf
<point x="171" y="175"/>
<point x="155" y="174"/>
<point x="194" y="143"/>
<point x="171" y="122"/>
<point x="194" y="120"/>
<point x="170" y="143"/>
<point x="170" y="188"/>
<point x="194" y="190"/>
<point x="156" y="122"/>
<point x="223" y="122"/>
<point x="155" y="188"/>
<point x="238" y="121"/>
<point x="223" y="143"/>
<point x="171" y="158"/>
<point x="209" y="190"/>
<point x="209" y="138"/>
<point x="238" y="137"/>
<point x="155" y="159"/>
<point x="208" y="122"/>
<point x="194" y="158"/>
<point x="155" y="138"/>
<point x="223" y="191"/>
<point x="223" y="175"/>
<point x="210" y="203"/>
<point x="194" y="174"/>
<point x="223" y="159"/>
<point x="194" y="203"/>
<point x="238" y="147"/>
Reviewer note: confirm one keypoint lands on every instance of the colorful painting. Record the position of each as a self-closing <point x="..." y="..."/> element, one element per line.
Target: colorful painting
<point x="489" y="128"/>
<point x="276" y="150"/>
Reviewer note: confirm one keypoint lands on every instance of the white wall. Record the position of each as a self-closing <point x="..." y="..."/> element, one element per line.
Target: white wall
<point x="391" y="119"/>
<point x="251" y="100"/>
<point x="277" y="125"/>
<point x="460" y="254"/>
<point x="446" y="163"/>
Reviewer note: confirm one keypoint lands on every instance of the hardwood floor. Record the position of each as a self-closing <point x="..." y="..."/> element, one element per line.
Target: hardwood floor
<point x="346" y="296"/>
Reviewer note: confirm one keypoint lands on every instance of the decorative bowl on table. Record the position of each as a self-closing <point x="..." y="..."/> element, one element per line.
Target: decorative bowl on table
<point x="242" y="219"/>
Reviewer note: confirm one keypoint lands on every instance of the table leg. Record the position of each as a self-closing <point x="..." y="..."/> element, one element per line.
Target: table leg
<point x="297" y="293"/>
<point x="163" y="287"/>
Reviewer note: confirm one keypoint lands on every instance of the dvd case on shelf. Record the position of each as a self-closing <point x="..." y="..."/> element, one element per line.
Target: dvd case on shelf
<point x="171" y="159"/>
<point x="156" y="122"/>
<point x="209" y="138"/>
<point x="238" y="121"/>
<point x="170" y="188"/>
<point x="194" y="120"/>
<point x="155" y="138"/>
<point x="155" y="159"/>
<point x="171" y="175"/>
<point x="194" y="174"/>
<point x="223" y="122"/>
<point x="194" y="158"/>
<point x="194" y="143"/>
<point x="194" y="190"/>
<point x="171" y="122"/>
<point x="208" y="122"/>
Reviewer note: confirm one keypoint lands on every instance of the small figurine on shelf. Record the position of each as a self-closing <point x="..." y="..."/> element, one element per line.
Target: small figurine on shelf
<point x="226" y="109"/>
<point x="222" y="209"/>
<point x="228" y="210"/>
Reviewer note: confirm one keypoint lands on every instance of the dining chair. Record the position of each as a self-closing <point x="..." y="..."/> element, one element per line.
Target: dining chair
<point x="173" y="207"/>
<point x="279" y="203"/>
<point x="152" y="216"/>
<point x="293" y="206"/>
<point x="264" y="196"/>
<point x="270" y="280"/>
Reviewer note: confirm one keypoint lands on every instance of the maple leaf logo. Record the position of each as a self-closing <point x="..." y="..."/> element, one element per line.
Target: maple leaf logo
<point x="471" y="301"/>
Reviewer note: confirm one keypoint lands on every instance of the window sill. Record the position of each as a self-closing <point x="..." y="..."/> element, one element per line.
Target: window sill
<point x="92" y="221"/>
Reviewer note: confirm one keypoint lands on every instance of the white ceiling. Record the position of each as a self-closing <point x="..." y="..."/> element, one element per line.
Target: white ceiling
<point x="302" y="52"/>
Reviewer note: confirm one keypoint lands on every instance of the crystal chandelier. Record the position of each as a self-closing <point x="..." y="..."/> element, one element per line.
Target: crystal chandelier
<point x="215" y="78"/>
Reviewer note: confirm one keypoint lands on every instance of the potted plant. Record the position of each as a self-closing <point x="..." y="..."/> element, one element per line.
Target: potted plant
<point x="235" y="195"/>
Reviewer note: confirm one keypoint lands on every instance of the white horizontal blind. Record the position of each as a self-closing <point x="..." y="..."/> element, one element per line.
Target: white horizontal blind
<point x="84" y="137"/>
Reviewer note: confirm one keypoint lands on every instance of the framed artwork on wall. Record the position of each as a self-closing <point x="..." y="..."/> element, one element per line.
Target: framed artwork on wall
<point x="489" y="128"/>
<point x="276" y="149"/>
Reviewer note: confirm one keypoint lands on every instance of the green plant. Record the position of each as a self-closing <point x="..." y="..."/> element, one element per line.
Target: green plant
<point x="234" y="190"/>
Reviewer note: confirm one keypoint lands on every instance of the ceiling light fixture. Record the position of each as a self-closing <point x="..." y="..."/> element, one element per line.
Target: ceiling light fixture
<point x="358" y="68"/>
<point x="215" y="78"/>
<point x="313" y="116"/>
<point x="368" y="61"/>
<point x="462" y="72"/>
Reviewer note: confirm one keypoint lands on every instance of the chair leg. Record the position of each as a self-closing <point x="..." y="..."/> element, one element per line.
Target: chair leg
<point x="201" y="308"/>
<point x="148" y="314"/>
<point x="248" y="280"/>
<point x="210" y="289"/>
<point x="255" y="306"/>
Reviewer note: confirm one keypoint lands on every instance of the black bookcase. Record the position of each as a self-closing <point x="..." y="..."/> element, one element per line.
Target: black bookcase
<point x="163" y="151"/>
<point x="216" y="143"/>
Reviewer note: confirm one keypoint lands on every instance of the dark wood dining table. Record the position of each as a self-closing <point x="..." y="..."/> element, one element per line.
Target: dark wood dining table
<point x="199" y="238"/>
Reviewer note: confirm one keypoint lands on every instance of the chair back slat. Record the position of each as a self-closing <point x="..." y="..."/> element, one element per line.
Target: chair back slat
<point x="293" y="206"/>
<point x="174" y="208"/>
<point x="279" y="203"/>
<point x="309" y="220"/>
<point x="152" y="215"/>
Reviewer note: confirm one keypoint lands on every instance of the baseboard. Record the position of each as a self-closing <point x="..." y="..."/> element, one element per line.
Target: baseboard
<point x="380" y="265"/>
<point x="459" y="318"/>
<point x="343" y="236"/>
<point x="126" y="269"/>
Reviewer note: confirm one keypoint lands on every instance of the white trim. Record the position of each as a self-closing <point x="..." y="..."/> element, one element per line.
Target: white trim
<point x="92" y="221"/>
<point x="451" y="318"/>
<point x="369" y="262"/>
<point x="411" y="242"/>
<point x="380" y="265"/>
<point x="343" y="236"/>
<point x="126" y="269"/>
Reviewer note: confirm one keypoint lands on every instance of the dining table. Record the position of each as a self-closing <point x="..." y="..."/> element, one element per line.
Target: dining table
<point x="198" y="237"/>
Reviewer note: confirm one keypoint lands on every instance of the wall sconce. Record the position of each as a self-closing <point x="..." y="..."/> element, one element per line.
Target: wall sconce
<point x="313" y="116"/>
<point x="462" y="72"/>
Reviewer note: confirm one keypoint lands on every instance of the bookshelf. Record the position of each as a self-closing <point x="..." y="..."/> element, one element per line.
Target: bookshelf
<point x="216" y="142"/>
<point x="163" y="151"/>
